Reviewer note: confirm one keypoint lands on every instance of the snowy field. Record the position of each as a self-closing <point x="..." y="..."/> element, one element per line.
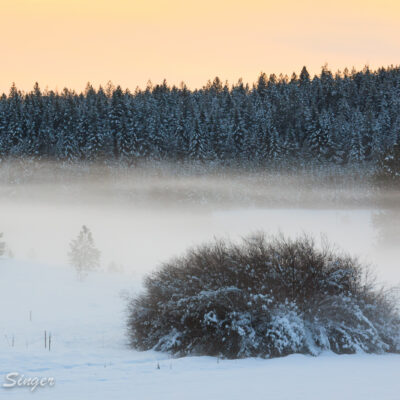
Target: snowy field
<point x="89" y="357"/>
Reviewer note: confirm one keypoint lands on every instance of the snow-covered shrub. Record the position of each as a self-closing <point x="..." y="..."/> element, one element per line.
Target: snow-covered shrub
<point x="264" y="297"/>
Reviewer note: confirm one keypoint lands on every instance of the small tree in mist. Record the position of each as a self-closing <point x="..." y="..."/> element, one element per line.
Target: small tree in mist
<point x="83" y="254"/>
<point x="264" y="297"/>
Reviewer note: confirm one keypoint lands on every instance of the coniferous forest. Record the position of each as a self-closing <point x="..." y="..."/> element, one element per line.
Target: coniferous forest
<point x="332" y="118"/>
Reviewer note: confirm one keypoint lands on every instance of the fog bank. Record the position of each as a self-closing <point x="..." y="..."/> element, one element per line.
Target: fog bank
<point x="141" y="217"/>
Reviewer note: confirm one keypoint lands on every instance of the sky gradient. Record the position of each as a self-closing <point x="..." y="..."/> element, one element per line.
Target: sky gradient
<point x="66" y="43"/>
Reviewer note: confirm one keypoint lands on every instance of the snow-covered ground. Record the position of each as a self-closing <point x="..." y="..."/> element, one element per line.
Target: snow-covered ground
<point x="89" y="358"/>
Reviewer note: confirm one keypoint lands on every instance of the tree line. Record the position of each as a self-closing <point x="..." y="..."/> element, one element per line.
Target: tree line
<point x="333" y="118"/>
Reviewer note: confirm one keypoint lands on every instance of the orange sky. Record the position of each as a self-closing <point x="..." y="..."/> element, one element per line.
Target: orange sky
<point x="70" y="42"/>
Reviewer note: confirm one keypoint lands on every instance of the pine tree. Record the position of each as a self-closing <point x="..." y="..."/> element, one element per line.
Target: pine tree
<point x="357" y="151"/>
<point x="196" y="145"/>
<point x="94" y="141"/>
<point x="304" y="76"/>
<point x="335" y="118"/>
<point x="83" y="255"/>
<point x="118" y="110"/>
<point x="317" y="139"/>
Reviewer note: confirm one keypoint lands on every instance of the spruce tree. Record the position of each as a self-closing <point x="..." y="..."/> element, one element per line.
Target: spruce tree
<point x="83" y="255"/>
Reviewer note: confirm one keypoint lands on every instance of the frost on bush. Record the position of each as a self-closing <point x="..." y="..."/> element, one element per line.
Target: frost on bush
<point x="266" y="297"/>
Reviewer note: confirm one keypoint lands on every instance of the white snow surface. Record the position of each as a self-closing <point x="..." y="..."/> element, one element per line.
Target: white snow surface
<point x="90" y="359"/>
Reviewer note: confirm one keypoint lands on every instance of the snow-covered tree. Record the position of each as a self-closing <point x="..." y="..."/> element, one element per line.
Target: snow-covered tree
<point x="389" y="167"/>
<point x="83" y="255"/>
<point x="351" y="117"/>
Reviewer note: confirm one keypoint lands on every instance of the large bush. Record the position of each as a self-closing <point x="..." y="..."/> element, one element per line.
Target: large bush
<point x="265" y="297"/>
